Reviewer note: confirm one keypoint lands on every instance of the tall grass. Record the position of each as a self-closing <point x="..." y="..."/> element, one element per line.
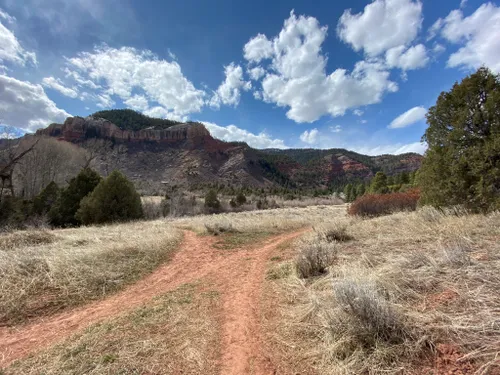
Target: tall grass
<point x="45" y="271"/>
<point x="405" y="284"/>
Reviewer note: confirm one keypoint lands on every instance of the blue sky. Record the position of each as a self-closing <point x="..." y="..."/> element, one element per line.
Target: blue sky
<point x="352" y="74"/>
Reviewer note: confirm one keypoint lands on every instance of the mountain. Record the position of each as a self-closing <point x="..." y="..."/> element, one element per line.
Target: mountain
<point x="156" y="152"/>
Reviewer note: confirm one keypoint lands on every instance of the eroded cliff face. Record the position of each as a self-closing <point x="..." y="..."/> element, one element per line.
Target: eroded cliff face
<point x="78" y="130"/>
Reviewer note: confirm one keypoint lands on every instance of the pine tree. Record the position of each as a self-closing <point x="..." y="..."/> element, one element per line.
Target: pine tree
<point x="64" y="210"/>
<point x="348" y="192"/>
<point x="113" y="200"/>
<point x="44" y="201"/>
<point x="360" y="190"/>
<point x="212" y="203"/>
<point x="462" y="162"/>
<point x="379" y="184"/>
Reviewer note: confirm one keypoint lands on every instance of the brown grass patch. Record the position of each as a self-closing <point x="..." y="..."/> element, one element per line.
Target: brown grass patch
<point x="405" y="287"/>
<point x="44" y="272"/>
<point x="177" y="333"/>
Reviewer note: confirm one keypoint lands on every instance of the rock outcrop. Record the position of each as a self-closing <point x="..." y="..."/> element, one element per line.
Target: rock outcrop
<point x="78" y="130"/>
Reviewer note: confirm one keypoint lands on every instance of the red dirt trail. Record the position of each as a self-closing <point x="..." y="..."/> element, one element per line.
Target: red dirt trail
<point x="237" y="274"/>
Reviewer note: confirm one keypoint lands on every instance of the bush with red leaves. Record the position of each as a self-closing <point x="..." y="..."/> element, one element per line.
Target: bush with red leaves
<point x="384" y="204"/>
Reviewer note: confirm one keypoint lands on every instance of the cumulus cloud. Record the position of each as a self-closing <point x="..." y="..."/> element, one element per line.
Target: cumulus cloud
<point x="10" y="48"/>
<point x="479" y="32"/>
<point x="232" y="133"/>
<point x="407" y="59"/>
<point x="297" y="76"/>
<point x="229" y="92"/>
<point x="358" y="112"/>
<point x="258" y="48"/>
<point x="435" y="29"/>
<point x="408" y="118"/>
<point x="26" y="106"/>
<point x="310" y="136"/>
<point x="382" y="25"/>
<point x="121" y="72"/>
<point x="56" y="84"/>
<point x="256" y="73"/>
<point x="137" y="103"/>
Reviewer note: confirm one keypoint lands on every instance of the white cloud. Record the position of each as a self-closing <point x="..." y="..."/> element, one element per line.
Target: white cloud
<point x="56" y="84"/>
<point x="7" y="17"/>
<point x="407" y="59"/>
<point x="258" y="48"/>
<point x="336" y="129"/>
<point x="25" y="105"/>
<point x="481" y="34"/>
<point x="298" y="80"/>
<point x="358" y="112"/>
<point x="382" y="25"/>
<point x="257" y="95"/>
<point x="463" y="4"/>
<point x="256" y="73"/>
<point x="80" y="81"/>
<point x="232" y="133"/>
<point x="394" y="149"/>
<point x="408" y="118"/>
<point x="121" y="71"/>
<point x="10" y="48"/>
<point x="229" y="91"/>
<point x="310" y="136"/>
<point x="137" y="102"/>
<point x="435" y="29"/>
<point x="438" y="49"/>
<point x="160" y="112"/>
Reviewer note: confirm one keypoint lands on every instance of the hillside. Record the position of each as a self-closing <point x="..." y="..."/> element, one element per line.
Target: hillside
<point x="157" y="152"/>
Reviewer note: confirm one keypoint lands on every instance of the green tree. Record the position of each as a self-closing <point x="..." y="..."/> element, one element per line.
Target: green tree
<point x="113" y="200"/>
<point x="241" y="199"/>
<point x="349" y="193"/>
<point x="44" y="201"/>
<point x="360" y="190"/>
<point x="379" y="184"/>
<point x="212" y="203"/>
<point x="462" y="162"/>
<point x="64" y="210"/>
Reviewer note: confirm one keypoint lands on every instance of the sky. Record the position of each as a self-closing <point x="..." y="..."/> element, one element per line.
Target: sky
<point x="276" y="74"/>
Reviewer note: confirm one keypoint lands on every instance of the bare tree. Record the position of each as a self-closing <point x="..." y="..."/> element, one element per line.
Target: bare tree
<point x="51" y="160"/>
<point x="11" y="154"/>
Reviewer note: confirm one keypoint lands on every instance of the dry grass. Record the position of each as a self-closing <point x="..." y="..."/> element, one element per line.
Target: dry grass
<point x="269" y="221"/>
<point x="406" y="284"/>
<point x="45" y="271"/>
<point x="177" y="333"/>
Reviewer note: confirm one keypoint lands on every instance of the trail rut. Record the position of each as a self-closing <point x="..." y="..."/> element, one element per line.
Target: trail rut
<point x="237" y="274"/>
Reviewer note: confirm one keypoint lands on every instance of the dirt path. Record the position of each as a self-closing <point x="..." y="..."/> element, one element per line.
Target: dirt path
<point x="238" y="275"/>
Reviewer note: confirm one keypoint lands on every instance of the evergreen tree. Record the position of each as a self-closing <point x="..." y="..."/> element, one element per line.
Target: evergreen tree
<point x="349" y="193"/>
<point x="212" y="203"/>
<point x="44" y="201"/>
<point x="113" y="200"/>
<point x="462" y="162"/>
<point x="240" y="199"/>
<point x="64" y="210"/>
<point x="360" y="190"/>
<point x="379" y="184"/>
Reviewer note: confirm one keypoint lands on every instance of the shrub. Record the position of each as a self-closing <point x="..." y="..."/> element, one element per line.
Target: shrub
<point x="241" y="199"/>
<point x="369" y="317"/>
<point x="219" y="228"/>
<point x="64" y="211"/>
<point x="113" y="200"/>
<point x="314" y="259"/>
<point x="212" y="203"/>
<point x="384" y="204"/>
<point x="336" y="232"/>
<point x="14" y="212"/>
<point x="44" y="201"/>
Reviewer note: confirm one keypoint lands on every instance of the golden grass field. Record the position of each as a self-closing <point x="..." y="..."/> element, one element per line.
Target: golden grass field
<point x="409" y="293"/>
